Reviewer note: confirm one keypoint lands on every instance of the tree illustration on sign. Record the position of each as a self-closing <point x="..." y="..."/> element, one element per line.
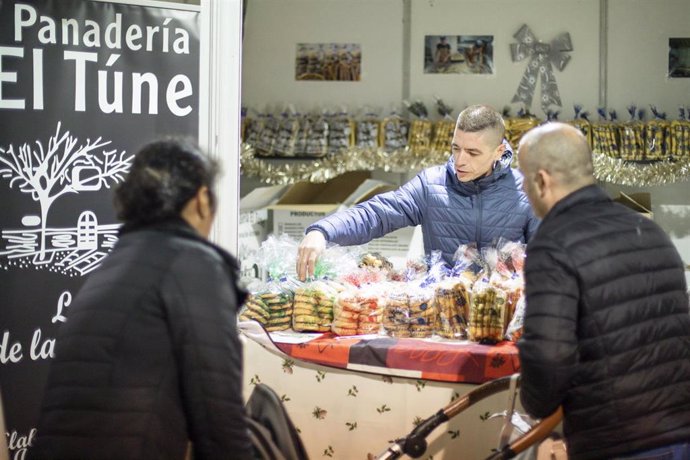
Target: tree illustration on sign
<point x="65" y="166"/>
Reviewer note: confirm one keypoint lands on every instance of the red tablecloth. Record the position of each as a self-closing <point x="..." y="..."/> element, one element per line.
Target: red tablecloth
<point x="424" y="359"/>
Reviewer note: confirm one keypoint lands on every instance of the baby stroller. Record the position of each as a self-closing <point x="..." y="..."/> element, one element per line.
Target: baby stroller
<point x="414" y="444"/>
<point x="271" y="431"/>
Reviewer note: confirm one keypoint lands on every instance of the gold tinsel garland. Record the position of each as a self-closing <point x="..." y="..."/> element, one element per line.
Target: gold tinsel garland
<point x="318" y="170"/>
<point x="623" y="172"/>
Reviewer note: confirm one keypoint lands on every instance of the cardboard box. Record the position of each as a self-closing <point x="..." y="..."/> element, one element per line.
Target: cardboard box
<point x="640" y="202"/>
<point x="304" y="203"/>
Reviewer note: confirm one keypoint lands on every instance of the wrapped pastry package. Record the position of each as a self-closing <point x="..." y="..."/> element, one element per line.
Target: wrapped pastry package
<point x="679" y="136"/>
<point x="394" y="132"/>
<point x="313" y="307"/>
<point x="488" y="313"/>
<point x="443" y="129"/>
<point x="341" y="132"/>
<point x="358" y="311"/>
<point x="271" y="302"/>
<point x="516" y="127"/>
<point x="442" y="136"/>
<point x="515" y="327"/>
<point x="266" y="139"/>
<point x="632" y="133"/>
<point x="605" y="135"/>
<point x="452" y="302"/>
<point x="396" y="311"/>
<point x="287" y="134"/>
<point x="315" y="299"/>
<point x="419" y="139"/>
<point x="420" y="136"/>
<point x="657" y="133"/>
<point x="254" y="126"/>
<point x="315" y="131"/>
<point x="367" y="131"/>
<point x="581" y="122"/>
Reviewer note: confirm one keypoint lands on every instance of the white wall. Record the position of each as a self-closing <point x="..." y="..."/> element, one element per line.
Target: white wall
<point x="638" y="54"/>
<point x="578" y="83"/>
<point x="273" y="28"/>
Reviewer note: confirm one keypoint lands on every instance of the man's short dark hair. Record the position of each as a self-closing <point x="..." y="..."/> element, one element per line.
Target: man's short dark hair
<point x="477" y="118"/>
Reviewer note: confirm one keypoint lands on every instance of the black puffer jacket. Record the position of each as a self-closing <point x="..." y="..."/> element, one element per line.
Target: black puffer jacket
<point x="149" y="356"/>
<point x="607" y="329"/>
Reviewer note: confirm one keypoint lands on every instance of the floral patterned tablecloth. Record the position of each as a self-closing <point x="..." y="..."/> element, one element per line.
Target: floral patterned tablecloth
<point x="344" y="413"/>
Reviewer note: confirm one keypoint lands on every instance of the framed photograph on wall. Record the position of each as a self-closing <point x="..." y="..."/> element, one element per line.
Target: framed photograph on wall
<point x="679" y="57"/>
<point x="328" y="61"/>
<point x="459" y="54"/>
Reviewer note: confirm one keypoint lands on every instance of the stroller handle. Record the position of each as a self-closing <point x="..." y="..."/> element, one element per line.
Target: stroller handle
<point x="414" y="444"/>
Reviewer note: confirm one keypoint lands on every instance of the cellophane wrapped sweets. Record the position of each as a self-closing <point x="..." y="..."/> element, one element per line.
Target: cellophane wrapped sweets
<point x="254" y="126"/>
<point x="315" y="131"/>
<point x="657" y="134"/>
<point x="358" y="311"/>
<point x="515" y="327"/>
<point x="605" y="135"/>
<point x="266" y="140"/>
<point x="581" y="122"/>
<point x="341" y="132"/>
<point x="495" y="295"/>
<point x="271" y="302"/>
<point x="516" y="127"/>
<point x="452" y="295"/>
<point x="632" y="132"/>
<point x="287" y="134"/>
<point x="419" y="139"/>
<point x="394" y="132"/>
<point x="315" y="298"/>
<point x="679" y="136"/>
<point x="367" y="131"/>
<point x="444" y="129"/>
<point x="313" y="307"/>
<point x="396" y="311"/>
<point x="508" y="274"/>
<point x="487" y="312"/>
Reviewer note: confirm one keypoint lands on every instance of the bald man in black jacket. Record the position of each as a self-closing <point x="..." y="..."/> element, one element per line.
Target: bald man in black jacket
<point x="607" y="329"/>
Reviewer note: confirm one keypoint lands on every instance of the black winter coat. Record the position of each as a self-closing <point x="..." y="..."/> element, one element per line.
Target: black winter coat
<point x="607" y="329"/>
<point x="149" y="356"/>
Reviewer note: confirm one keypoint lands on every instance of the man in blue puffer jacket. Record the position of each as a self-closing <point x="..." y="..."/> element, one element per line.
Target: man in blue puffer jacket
<point x="475" y="197"/>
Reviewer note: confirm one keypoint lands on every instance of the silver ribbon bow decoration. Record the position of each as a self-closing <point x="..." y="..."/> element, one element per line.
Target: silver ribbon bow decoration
<point x="542" y="56"/>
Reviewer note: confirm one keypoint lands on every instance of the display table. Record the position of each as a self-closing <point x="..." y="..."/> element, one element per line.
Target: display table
<point x="349" y="396"/>
<point x="427" y="359"/>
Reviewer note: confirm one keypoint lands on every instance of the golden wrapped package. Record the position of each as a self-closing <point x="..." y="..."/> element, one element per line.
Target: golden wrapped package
<point x="452" y="300"/>
<point x="657" y="134"/>
<point x="516" y="127"/>
<point x="605" y="137"/>
<point x="442" y="136"/>
<point x="679" y="136"/>
<point x="420" y="136"/>
<point x="488" y="313"/>
<point x="632" y="145"/>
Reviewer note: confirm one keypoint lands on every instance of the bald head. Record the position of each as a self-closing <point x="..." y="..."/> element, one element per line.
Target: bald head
<point x="561" y="150"/>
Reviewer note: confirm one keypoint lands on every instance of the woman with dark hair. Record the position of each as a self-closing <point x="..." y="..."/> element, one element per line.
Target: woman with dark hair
<point x="149" y="358"/>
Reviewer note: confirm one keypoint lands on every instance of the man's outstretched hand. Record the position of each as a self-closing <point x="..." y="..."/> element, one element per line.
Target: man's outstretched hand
<point x="309" y="250"/>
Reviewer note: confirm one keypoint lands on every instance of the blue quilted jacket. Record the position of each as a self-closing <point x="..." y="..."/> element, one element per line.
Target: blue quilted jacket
<point x="450" y="212"/>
